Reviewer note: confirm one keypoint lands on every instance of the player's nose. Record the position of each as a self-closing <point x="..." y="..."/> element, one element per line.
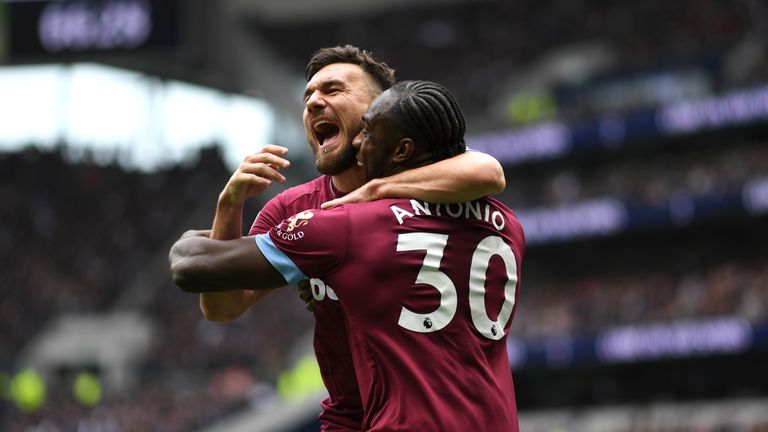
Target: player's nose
<point x="357" y="141"/>
<point x="314" y="102"/>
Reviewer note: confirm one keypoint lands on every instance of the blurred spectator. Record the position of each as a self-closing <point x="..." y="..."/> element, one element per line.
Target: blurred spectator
<point x="480" y="50"/>
<point x="648" y="179"/>
<point x="74" y="236"/>
<point x="587" y="304"/>
<point x="76" y="244"/>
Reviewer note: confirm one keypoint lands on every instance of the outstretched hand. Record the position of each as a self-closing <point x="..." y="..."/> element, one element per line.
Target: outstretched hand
<point x="256" y="173"/>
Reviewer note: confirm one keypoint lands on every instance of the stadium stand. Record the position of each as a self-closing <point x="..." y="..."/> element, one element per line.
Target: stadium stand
<point x="495" y="48"/>
<point x="658" y="324"/>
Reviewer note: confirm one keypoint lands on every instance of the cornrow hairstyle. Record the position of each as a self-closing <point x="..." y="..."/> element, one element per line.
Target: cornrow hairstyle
<point x="382" y="74"/>
<point x="432" y="115"/>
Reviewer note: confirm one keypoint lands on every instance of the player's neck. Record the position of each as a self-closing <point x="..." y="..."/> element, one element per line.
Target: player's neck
<point x="348" y="180"/>
<point x="417" y="161"/>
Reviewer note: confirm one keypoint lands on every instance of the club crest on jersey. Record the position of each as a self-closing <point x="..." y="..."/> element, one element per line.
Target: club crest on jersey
<point x="298" y="220"/>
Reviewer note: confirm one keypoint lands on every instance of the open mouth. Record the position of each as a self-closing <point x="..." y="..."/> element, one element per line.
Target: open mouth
<point x="326" y="132"/>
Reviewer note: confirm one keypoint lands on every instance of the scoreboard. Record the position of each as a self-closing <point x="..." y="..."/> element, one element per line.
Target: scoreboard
<point x="44" y="28"/>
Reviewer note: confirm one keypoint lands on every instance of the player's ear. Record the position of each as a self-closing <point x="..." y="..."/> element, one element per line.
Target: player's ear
<point x="404" y="150"/>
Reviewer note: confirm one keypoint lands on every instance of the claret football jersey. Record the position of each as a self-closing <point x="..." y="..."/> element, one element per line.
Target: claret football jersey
<point x="342" y="410"/>
<point x="428" y="292"/>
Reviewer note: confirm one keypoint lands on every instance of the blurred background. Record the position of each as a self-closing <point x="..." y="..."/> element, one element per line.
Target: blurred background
<point x="634" y="137"/>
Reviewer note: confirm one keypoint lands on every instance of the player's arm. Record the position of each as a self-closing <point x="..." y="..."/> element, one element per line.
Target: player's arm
<point x="464" y="177"/>
<point x="229" y="305"/>
<point x="253" y="176"/>
<point x="200" y="264"/>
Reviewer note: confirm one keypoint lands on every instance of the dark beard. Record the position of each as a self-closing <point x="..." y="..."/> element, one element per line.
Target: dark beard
<point x="338" y="164"/>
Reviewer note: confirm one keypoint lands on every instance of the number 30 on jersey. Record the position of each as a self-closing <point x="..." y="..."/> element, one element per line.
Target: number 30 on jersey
<point x="430" y="274"/>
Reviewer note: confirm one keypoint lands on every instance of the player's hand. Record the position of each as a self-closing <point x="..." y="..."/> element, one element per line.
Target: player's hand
<point x="305" y="292"/>
<point x="255" y="173"/>
<point x="364" y="193"/>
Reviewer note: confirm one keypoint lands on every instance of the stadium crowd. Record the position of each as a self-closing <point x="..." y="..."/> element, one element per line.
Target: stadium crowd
<point x="77" y="237"/>
<point x="74" y="236"/>
<point x="589" y="303"/>
<point x="649" y="179"/>
<point x="485" y="50"/>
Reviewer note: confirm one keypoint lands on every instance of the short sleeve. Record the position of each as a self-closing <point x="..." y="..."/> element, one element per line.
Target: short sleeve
<point x="315" y="242"/>
<point x="270" y="215"/>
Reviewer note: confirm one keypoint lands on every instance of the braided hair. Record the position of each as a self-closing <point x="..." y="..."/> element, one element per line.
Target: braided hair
<point x="432" y="116"/>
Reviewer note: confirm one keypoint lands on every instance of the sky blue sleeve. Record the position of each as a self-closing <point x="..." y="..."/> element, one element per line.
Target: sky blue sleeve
<point x="279" y="260"/>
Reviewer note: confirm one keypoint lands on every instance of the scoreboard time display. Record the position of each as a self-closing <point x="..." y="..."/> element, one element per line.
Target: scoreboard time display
<point x="89" y="26"/>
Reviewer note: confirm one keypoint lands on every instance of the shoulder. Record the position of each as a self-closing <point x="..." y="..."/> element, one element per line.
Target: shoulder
<point x="513" y="224"/>
<point x="312" y="230"/>
<point x="304" y="196"/>
<point x="498" y="204"/>
<point x="311" y="188"/>
<point x="288" y="202"/>
<point x="375" y="207"/>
